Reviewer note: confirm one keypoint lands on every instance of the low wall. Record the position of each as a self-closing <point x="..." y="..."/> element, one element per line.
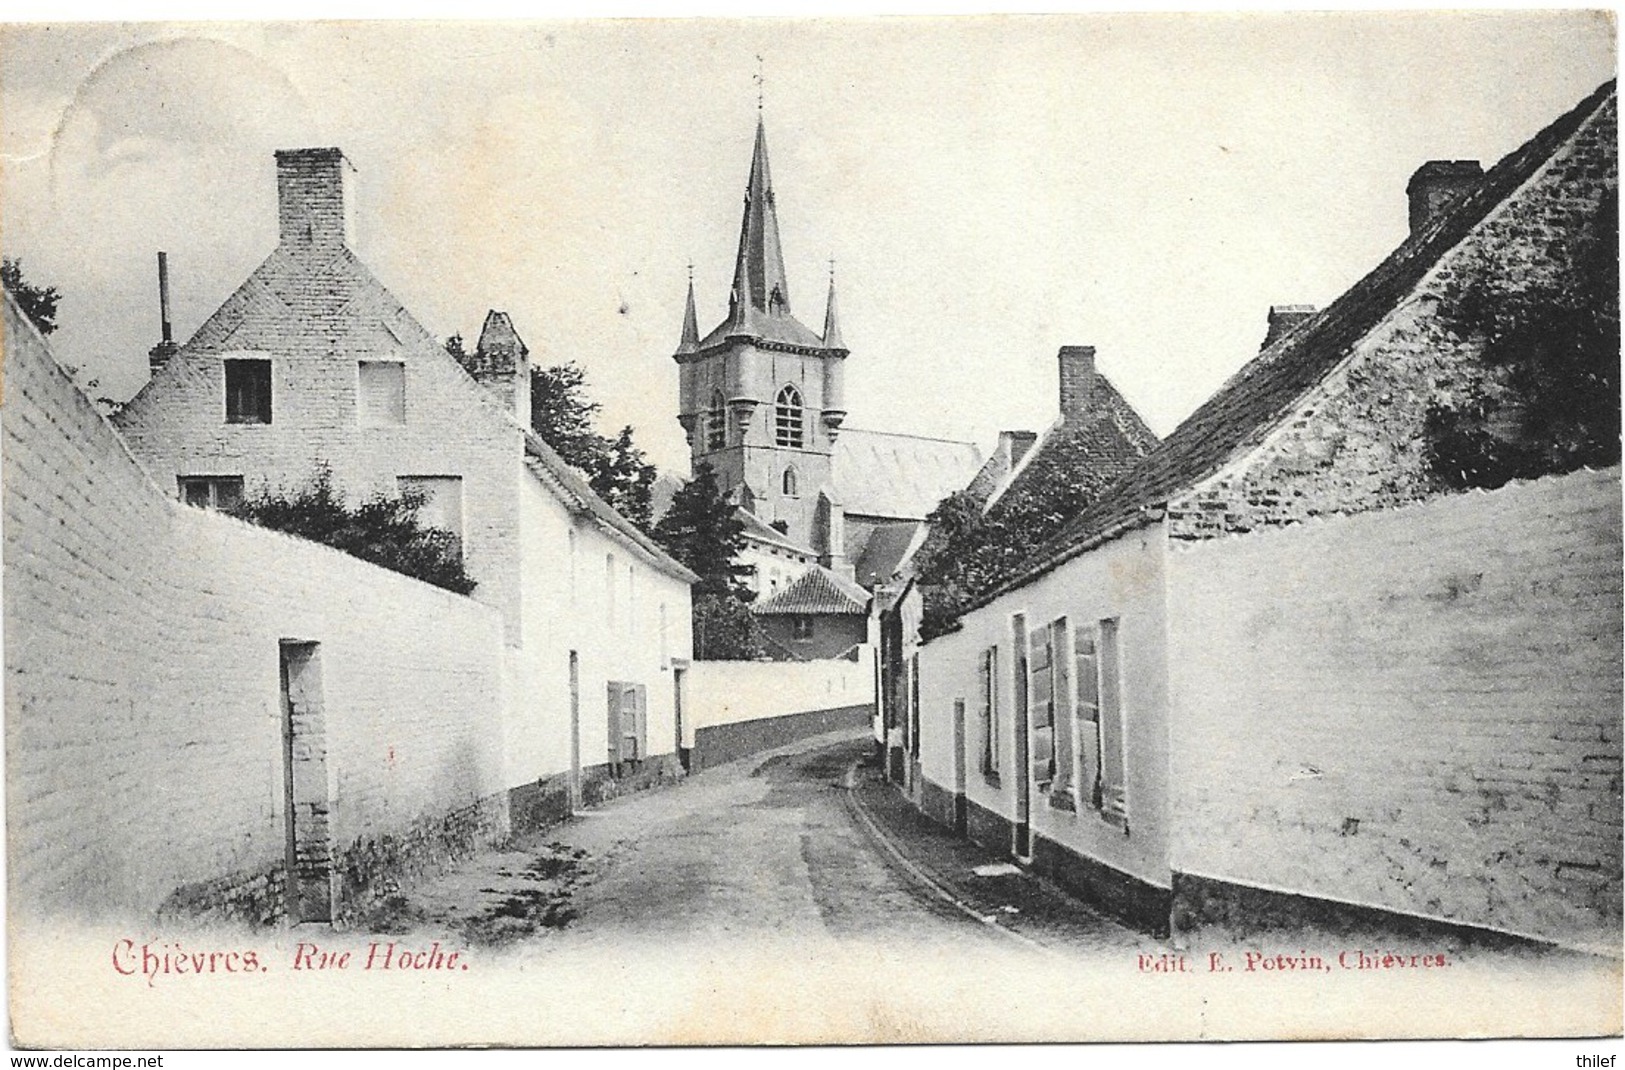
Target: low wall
<point x="716" y="744"/>
<point x="144" y="714"/>
<point x="1416" y="710"/>
<point x="735" y="708"/>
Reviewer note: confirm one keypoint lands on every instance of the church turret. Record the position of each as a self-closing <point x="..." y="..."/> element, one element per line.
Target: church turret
<point x="691" y="325"/>
<point x="834" y="411"/>
<point x="832" y="329"/>
<point x="760" y="286"/>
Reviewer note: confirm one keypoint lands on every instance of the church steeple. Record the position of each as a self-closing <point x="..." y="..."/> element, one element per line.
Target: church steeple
<point x="691" y="326"/>
<point x="832" y="328"/>
<point x="759" y="282"/>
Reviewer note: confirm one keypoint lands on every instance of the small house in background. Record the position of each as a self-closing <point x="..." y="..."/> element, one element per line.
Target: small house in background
<point x="1284" y="667"/>
<point x="818" y="615"/>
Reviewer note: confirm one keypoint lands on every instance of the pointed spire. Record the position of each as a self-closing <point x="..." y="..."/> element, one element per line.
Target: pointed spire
<point x="832" y="328"/>
<point x="691" y="326"/>
<point x="759" y="285"/>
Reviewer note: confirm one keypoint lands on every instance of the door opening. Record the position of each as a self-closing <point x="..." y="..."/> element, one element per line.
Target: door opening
<point x="306" y="797"/>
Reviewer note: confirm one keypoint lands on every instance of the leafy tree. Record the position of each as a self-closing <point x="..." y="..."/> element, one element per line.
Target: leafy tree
<point x="1550" y="401"/>
<point x="454" y="346"/>
<point x="382" y="530"/>
<point x="37" y="302"/>
<point x="725" y="629"/>
<point x="564" y="417"/>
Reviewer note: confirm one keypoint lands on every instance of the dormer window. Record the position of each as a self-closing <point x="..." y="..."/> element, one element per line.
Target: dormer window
<point x="787" y="426"/>
<point x="716" y="423"/>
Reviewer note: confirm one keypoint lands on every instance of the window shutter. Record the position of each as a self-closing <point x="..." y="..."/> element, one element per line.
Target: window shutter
<point x="641" y="694"/>
<point x="614" y="722"/>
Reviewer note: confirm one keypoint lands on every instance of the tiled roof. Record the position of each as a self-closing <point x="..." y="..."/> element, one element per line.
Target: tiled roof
<point x="818" y="590"/>
<point x="900" y="476"/>
<point x="1239" y="415"/>
<point x="1111" y="440"/>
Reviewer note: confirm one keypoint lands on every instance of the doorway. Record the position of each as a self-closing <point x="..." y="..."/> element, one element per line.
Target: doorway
<point x="679" y="680"/>
<point x="575" y="732"/>
<point x="960" y="802"/>
<point x="306" y="796"/>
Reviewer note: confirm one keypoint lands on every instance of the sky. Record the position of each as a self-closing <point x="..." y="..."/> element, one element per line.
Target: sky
<point x="989" y="188"/>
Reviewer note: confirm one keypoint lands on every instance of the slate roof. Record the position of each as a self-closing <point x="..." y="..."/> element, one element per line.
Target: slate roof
<point x="759" y="530"/>
<point x="759" y="301"/>
<point x="818" y="590"/>
<point x="899" y="476"/>
<point x="1245" y="409"/>
<point x="884" y="551"/>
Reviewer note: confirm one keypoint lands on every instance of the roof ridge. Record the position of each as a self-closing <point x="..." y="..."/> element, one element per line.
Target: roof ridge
<point x="1300" y="360"/>
<point x="906" y="434"/>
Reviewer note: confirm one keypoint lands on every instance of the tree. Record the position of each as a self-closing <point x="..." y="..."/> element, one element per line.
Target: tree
<point x="1549" y="401"/>
<point x="383" y="530"/>
<point x="702" y="530"/>
<point x="37" y="302"/>
<point x="563" y="415"/>
<point x="454" y="346"/>
<point x="704" y="533"/>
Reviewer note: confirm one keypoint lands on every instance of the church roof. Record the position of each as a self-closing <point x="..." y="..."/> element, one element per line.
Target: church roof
<point x="899" y="476"/>
<point x="1247" y="407"/>
<point x="884" y="551"/>
<point x="818" y="590"/>
<point x="759" y="302"/>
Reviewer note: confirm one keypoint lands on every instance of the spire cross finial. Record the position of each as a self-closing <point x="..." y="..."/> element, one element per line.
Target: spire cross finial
<point x="832" y="269"/>
<point x="691" y="271"/>
<point x="761" y="82"/>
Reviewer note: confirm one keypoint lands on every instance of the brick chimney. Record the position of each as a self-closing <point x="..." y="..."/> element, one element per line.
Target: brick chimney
<point x="1282" y="319"/>
<point x="501" y="363"/>
<point x="159" y="355"/>
<point x="1437" y="185"/>
<point x="315" y="208"/>
<point x="1015" y="444"/>
<point x="1077" y="381"/>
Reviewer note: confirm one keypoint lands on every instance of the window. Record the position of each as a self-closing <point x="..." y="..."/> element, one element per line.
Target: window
<point x="716" y="423"/>
<point x="211" y="492"/>
<point x="248" y="391"/>
<point x="442" y="503"/>
<point x="914" y="706"/>
<point x="381" y="393"/>
<point x="631" y="596"/>
<point x="789" y="482"/>
<point x="801" y="627"/>
<point x="609" y="587"/>
<point x="787" y="418"/>
<point x="572" y="552"/>
<point x="988" y="712"/>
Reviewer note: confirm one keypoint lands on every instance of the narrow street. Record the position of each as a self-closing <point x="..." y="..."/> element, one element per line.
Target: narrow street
<point x="778" y="848"/>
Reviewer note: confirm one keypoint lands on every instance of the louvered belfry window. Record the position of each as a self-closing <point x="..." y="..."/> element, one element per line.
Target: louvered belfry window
<point x="787" y="418"/>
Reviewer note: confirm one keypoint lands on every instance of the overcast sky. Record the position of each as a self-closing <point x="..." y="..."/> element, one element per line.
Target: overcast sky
<point x="991" y="189"/>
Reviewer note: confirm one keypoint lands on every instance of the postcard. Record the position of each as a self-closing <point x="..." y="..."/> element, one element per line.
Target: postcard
<point x="812" y="531"/>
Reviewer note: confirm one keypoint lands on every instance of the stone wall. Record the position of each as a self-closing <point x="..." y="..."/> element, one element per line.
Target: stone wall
<point x="1356" y="442"/>
<point x="1416" y="710"/>
<point x="730" y="692"/>
<point x="144" y="735"/>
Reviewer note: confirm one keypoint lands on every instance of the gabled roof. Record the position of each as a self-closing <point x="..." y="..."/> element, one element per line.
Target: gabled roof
<point x="818" y="590"/>
<point x="899" y="476"/>
<point x="1109" y="440"/>
<point x="1246" y="408"/>
<point x="329" y="284"/>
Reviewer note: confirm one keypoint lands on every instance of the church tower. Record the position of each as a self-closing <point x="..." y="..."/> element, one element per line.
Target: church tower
<point x="761" y="395"/>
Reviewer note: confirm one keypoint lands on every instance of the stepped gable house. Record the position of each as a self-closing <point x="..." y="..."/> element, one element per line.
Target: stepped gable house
<point x="1280" y="669"/>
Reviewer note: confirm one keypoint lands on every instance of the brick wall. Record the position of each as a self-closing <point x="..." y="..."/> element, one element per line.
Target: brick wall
<point x="143" y="727"/>
<point x="315" y="313"/>
<point x="1355" y="442"/>
<point x="1417" y="710"/>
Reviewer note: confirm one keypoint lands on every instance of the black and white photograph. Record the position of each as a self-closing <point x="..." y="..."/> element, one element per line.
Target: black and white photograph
<point x="937" y="530"/>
